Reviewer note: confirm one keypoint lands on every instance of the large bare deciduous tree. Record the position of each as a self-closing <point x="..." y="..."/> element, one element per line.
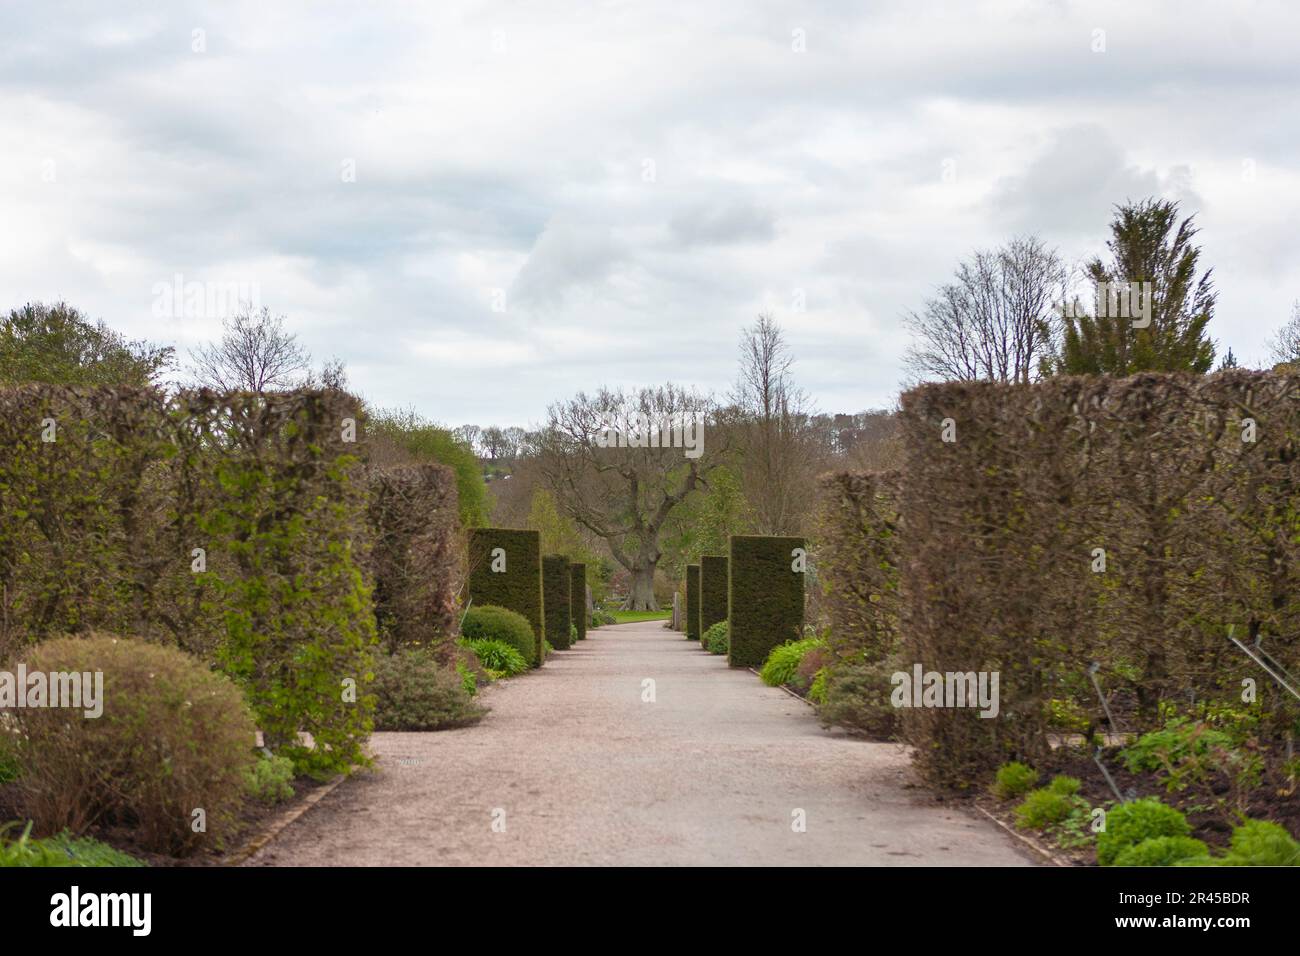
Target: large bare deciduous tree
<point x="256" y="354"/>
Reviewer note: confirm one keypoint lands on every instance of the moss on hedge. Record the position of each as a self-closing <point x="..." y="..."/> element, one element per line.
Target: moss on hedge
<point x="692" y="602"/>
<point x="713" y="590"/>
<point x="555" y="599"/>
<point x="765" y="597"/>
<point x="517" y="587"/>
<point x="578" y="598"/>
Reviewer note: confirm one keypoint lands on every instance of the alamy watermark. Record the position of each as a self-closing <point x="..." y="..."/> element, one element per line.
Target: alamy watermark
<point x="1118" y="300"/>
<point x="922" y="688"/>
<point x="179" y="299"/>
<point x="677" y="431"/>
<point x="77" y="690"/>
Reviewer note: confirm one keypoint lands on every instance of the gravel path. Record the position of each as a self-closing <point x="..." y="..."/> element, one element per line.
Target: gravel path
<point x="582" y="771"/>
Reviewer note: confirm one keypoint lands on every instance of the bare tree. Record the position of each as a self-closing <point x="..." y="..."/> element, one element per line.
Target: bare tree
<point x="1284" y="345"/>
<point x="998" y="320"/>
<point x="256" y="354"/>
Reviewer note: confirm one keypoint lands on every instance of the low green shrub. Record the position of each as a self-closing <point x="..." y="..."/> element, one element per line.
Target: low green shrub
<point x="573" y="634"/>
<point x="1262" y="843"/>
<point x="173" y="736"/>
<point x="413" y="692"/>
<point x="468" y="677"/>
<point x="1163" y="851"/>
<point x="61" y="850"/>
<point x="1042" y="809"/>
<point x="857" y="699"/>
<point x="1065" y="786"/>
<point x="783" y="662"/>
<point x="715" y="638"/>
<point x="498" y="656"/>
<point x="268" y="779"/>
<point x="1130" y="823"/>
<point x="817" y="689"/>
<point x="490" y="623"/>
<point x="1013" y="780"/>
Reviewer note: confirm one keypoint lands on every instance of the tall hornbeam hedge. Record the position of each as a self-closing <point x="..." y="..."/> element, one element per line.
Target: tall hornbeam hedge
<point x="578" y="598"/>
<point x="555" y="598"/>
<point x="692" y="602"/>
<point x="713" y="591"/>
<point x="505" y="569"/>
<point x="765" y="596"/>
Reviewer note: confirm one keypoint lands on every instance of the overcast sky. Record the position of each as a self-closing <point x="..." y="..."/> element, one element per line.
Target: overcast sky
<point x="482" y="208"/>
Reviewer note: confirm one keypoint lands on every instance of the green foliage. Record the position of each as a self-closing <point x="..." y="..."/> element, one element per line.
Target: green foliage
<point x="62" y="850"/>
<point x="713" y="590"/>
<point x="692" y="602"/>
<point x="268" y="779"/>
<point x="715" y="638"/>
<point x="468" y="679"/>
<point x="414" y="692"/>
<point x="1262" y="843"/>
<point x="426" y="441"/>
<point x="490" y="624"/>
<point x="173" y="736"/>
<point x="1065" y="786"/>
<point x="578" y="600"/>
<point x="1168" y="749"/>
<point x="765" y="597"/>
<point x="556" y="581"/>
<point x="1013" y="780"/>
<point x="857" y="698"/>
<point x="1130" y="823"/>
<point x="1065" y="714"/>
<point x="57" y="345"/>
<point x="817" y="691"/>
<point x="517" y="588"/>
<point x="1163" y="851"/>
<point x="782" y="664"/>
<point x="1043" y="808"/>
<point x="499" y="656"/>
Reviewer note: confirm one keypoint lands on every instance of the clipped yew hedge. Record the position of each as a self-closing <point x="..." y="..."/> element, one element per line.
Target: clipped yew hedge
<point x="578" y="598"/>
<point x="692" y="602"/>
<point x="511" y="578"/>
<point x="556" y="582"/>
<point x="713" y="591"/>
<point x="765" y="596"/>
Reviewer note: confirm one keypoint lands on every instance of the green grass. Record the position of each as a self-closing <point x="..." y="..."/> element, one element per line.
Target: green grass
<point x="61" y="850"/>
<point x="632" y="617"/>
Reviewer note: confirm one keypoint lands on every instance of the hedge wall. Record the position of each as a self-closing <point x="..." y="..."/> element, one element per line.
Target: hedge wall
<point x="692" y="602"/>
<point x="519" y="585"/>
<point x="556" y="582"/>
<point x="713" y="591"/>
<point x="765" y="597"/>
<point x="578" y="598"/>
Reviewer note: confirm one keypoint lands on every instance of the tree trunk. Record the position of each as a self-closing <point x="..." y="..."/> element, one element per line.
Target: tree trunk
<point x="642" y="595"/>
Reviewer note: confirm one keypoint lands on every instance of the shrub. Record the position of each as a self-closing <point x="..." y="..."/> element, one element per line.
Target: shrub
<point x="489" y="623"/>
<point x="1179" y="741"/>
<point x="61" y="850"/>
<point x="692" y="602"/>
<point x="413" y="692"/>
<point x="1065" y="786"/>
<point x="498" y="656"/>
<point x="578" y="600"/>
<point x="518" y="587"/>
<point x="1043" y="808"/>
<point x="857" y="699"/>
<point x="1130" y="823"/>
<point x="713" y="591"/>
<point x="782" y="664"/>
<point x="817" y="689"/>
<point x="173" y="736"/>
<point x="1163" y="851"/>
<point x="765" y="597"/>
<point x="556" y="582"/>
<point x="468" y="677"/>
<point x="268" y="779"/>
<point x="1013" y="780"/>
<point x="715" y="639"/>
<point x="1262" y="843"/>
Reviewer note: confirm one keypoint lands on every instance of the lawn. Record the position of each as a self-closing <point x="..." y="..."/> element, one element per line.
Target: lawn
<point x="631" y="617"/>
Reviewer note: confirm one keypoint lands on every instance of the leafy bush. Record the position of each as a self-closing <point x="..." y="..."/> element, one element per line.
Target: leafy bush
<point x="1013" y="780"/>
<point x="783" y="663"/>
<point x="1065" y="786"/>
<point x="1163" y="851"/>
<point x="413" y="692"/>
<point x="173" y="737"/>
<point x="1130" y="823"/>
<point x="490" y="623"/>
<point x="1043" y="808"/>
<point x="857" y="699"/>
<point x="468" y="677"/>
<point x="498" y="656"/>
<point x="817" y="689"/>
<point x="1166" y="749"/>
<point x="61" y="850"/>
<point x="268" y="779"/>
<point x="1262" y="843"/>
<point x="716" y="638"/>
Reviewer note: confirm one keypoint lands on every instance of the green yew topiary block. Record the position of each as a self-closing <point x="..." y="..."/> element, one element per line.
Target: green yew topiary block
<point x="555" y="599"/>
<point x="765" y="596"/>
<point x="578" y="598"/>
<point x="692" y="602"/>
<point x="517" y="584"/>
<point x="713" y="591"/>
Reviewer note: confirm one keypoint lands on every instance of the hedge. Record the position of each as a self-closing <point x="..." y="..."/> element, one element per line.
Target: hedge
<point x="578" y="598"/>
<point x="556" y="582"/>
<point x="765" y="596"/>
<point x="517" y="584"/>
<point x="692" y="602"/>
<point x="713" y="591"/>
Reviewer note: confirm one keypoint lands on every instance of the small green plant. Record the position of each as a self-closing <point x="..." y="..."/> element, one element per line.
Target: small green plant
<point x="490" y="623"/>
<point x="1065" y="786"/>
<point x="783" y="663"/>
<point x="817" y="690"/>
<point x="61" y="850"/>
<point x="1166" y="750"/>
<point x="573" y="633"/>
<point x="498" y="657"/>
<point x="715" y="638"/>
<point x="268" y="779"/>
<point x="1262" y="843"/>
<point x="1130" y="823"/>
<point x="413" y="692"/>
<point x="1013" y="780"/>
<point x="1065" y="714"/>
<point x="467" y="678"/>
<point x="1042" y="809"/>
<point x="1162" y="851"/>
